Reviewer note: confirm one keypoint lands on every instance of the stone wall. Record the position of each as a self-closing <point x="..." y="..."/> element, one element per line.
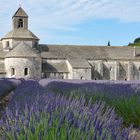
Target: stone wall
<point x="55" y="75"/>
<point x="2" y="75"/>
<point x="19" y="64"/>
<point x="15" y="22"/>
<point x="101" y="69"/>
<point x="60" y="74"/>
<point x="83" y="74"/>
<point x="96" y="69"/>
<point x="123" y="70"/>
<point x="2" y="69"/>
<point x="109" y="68"/>
<point x="113" y="70"/>
<point x="6" y="45"/>
<point x="15" y="42"/>
<point x="136" y="70"/>
<point x="70" y="75"/>
<point x="78" y="73"/>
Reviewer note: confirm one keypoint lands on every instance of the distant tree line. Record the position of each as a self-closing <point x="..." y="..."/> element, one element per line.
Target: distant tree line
<point x="135" y="43"/>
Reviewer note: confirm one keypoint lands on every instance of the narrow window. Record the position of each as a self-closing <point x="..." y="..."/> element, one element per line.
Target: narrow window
<point x="12" y="71"/>
<point x="26" y="71"/>
<point x="62" y="76"/>
<point x="20" y="23"/>
<point x="110" y="68"/>
<point x="7" y="43"/>
<point x="36" y="44"/>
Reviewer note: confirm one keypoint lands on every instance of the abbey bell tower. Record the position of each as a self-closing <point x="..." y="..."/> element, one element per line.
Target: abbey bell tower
<point x="19" y="32"/>
<point x="20" y="19"/>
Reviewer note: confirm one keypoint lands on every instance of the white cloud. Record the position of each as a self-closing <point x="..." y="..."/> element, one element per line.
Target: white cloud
<point x="65" y="14"/>
<point x="60" y="13"/>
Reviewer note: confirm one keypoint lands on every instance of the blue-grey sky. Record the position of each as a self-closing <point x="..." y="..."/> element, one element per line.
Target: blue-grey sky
<point x="83" y="22"/>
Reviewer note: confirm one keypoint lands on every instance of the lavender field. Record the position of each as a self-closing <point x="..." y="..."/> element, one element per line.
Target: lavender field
<point x="69" y="110"/>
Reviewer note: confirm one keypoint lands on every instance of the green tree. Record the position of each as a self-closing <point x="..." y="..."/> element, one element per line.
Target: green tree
<point x="135" y="43"/>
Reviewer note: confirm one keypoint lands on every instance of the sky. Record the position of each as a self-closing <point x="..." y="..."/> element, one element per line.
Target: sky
<point x="78" y="22"/>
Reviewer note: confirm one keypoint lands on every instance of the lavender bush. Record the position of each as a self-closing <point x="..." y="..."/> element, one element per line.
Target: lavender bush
<point x="7" y="85"/>
<point x="36" y="115"/>
<point x="109" y="88"/>
<point x="37" y="111"/>
<point x="123" y="96"/>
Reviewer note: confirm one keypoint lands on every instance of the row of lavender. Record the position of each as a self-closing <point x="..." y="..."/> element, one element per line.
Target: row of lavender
<point x="124" y="96"/>
<point x="110" y="88"/>
<point x="35" y="111"/>
<point x="7" y="85"/>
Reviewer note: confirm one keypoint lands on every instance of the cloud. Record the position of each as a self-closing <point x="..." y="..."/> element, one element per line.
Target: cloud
<point x="60" y="14"/>
<point x="63" y="14"/>
<point x="66" y="15"/>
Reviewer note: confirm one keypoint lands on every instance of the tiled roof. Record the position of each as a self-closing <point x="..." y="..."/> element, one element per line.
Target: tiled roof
<point x="55" y="67"/>
<point x="23" y="50"/>
<point x="79" y="63"/>
<point x="20" y="33"/>
<point x="82" y="53"/>
<point x="88" y="52"/>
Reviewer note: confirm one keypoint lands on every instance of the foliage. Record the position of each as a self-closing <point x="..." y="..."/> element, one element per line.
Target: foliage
<point x="7" y="85"/>
<point x="123" y="96"/>
<point x="135" y="43"/>
<point x="55" y="109"/>
<point x="49" y="117"/>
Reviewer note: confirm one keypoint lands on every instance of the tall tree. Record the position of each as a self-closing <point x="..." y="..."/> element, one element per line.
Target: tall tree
<point x="108" y="44"/>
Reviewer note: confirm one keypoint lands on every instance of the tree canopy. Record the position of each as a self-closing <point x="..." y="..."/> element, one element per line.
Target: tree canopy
<point x="135" y="43"/>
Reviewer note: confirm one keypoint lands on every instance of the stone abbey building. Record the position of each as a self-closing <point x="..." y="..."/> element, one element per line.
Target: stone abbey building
<point x="21" y="56"/>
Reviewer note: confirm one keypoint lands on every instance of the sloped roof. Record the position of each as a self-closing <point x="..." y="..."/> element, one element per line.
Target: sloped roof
<point x="2" y="68"/>
<point x="79" y="63"/>
<point x="88" y="52"/>
<point x="2" y="53"/>
<point x="23" y="50"/>
<point x="20" y="34"/>
<point x="55" y="67"/>
<point x="20" y="13"/>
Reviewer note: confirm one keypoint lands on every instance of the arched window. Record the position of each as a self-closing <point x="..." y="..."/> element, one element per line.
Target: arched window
<point x="26" y="71"/>
<point x="12" y="71"/>
<point x="20" y="23"/>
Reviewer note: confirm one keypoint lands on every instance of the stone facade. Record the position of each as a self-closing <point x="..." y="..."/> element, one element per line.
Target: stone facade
<point x="21" y="56"/>
<point x="33" y="66"/>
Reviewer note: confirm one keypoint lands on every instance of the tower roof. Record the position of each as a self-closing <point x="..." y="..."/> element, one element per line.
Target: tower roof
<point x="23" y="50"/>
<point x="20" y="13"/>
<point x="20" y="34"/>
